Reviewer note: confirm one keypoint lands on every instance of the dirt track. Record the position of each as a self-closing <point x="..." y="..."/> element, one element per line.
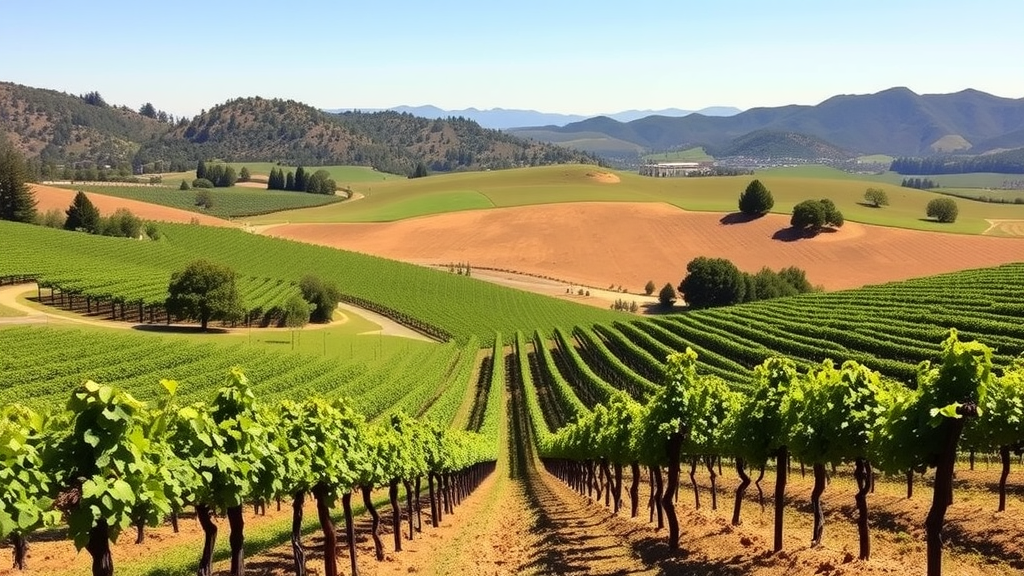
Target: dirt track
<point x="602" y="244"/>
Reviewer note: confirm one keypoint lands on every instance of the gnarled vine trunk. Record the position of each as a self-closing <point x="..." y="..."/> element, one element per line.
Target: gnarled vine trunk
<point x="819" y="514"/>
<point x="19" y="548"/>
<point x="709" y="463"/>
<point x="781" y="469"/>
<point x="99" y="548"/>
<point x="618" y="487"/>
<point x="298" y="553"/>
<point x="672" y="446"/>
<point x="236" y="538"/>
<point x="1004" y="458"/>
<point x="350" y="530"/>
<point x="634" y="488"/>
<point x="693" y="482"/>
<point x="378" y="546"/>
<point x="323" y="513"/>
<point x="408" y="505"/>
<point x="659" y="495"/>
<point x="396" y="514"/>
<point x="209" y="540"/>
<point x="862" y="473"/>
<point x="943" y="487"/>
<point x="740" y="490"/>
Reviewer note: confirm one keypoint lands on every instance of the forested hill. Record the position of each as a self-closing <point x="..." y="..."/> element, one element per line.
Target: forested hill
<point x="257" y="129"/>
<point x="63" y="128"/>
<point x="773" y="144"/>
<point x="59" y="128"/>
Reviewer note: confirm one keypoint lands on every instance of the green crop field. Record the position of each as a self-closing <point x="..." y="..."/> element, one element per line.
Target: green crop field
<point x="234" y="202"/>
<point x="422" y="196"/>
<point x="269" y="269"/>
<point x="697" y="154"/>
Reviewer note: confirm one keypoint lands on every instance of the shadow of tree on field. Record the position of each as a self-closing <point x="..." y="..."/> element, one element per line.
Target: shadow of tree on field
<point x="738" y="218"/>
<point x="793" y="234"/>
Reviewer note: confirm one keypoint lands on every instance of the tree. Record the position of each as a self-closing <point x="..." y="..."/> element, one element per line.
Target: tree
<point x="420" y="171"/>
<point x="184" y="186"/>
<point x="204" y="291"/>
<point x="148" y="110"/>
<point x="226" y="177"/>
<point x="813" y="215"/>
<point x="82" y="215"/>
<point x="299" y="184"/>
<point x="17" y="201"/>
<point x="124" y="224"/>
<point x="667" y="295"/>
<point x="202" y="183"/>
<point x="289" y="181"/>
<point x="321" y="183"/>
<point x="877" y="197"/>
<point x="756" y="200"/>
<point x="296" y="312"/>
<point x="712" y="282"/>
<point x="324" y="296"/>
<point x="243" y="175"/>
<point x="204" y="199"/>
<point x="201" y="170"/>
<point x="649" y="287"/>
<point x="943" y="209"/>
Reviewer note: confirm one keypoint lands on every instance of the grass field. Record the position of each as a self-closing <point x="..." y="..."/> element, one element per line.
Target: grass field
<point x="342" y="174"/>
<point x="386" y="200"/>
<point x="234" y="202"/>
<point x="697" y="154"/>
<point x="973" y="180"/>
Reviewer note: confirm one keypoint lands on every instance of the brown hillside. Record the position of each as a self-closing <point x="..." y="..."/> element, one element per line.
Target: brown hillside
<point x="599" y="244"/>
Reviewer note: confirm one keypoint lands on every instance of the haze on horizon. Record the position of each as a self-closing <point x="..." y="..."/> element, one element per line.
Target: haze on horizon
<point x="190" y="55"/>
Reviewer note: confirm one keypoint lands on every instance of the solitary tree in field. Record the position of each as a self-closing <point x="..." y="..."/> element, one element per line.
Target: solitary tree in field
<point x="877" y="197"/>
<point x="204" y="199"/>
<point x="17" y="202"/>
<point x="243" y="175"/>
<point x="667" y="295"/>
<point x="204" y="291"/>
<point x="184" y="186"/>
<point x="943" y="209"/>
<point x="756" y="200"/>
<point x="82" y="215"/>
<point x="649" y="288"/>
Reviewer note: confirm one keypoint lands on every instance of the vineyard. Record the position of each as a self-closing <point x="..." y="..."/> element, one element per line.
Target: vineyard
<point x="136" y="272"/>
<point x="238" y="202"/>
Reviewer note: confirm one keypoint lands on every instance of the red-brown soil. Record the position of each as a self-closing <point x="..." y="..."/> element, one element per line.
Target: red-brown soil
<point x="600" y="244"/>
<point x="49" y="197"/>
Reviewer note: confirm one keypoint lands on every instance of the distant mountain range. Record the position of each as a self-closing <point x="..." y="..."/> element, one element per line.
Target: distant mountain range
<point x="897" y="121"/>
<point x="503" y="119"/>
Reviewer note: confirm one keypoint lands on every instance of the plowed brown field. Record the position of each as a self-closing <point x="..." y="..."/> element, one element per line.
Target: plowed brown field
<point x="49" y="197"/>
<point x="599" y="244"/>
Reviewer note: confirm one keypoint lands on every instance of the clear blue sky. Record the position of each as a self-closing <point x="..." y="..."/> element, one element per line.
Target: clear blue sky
<point x="555" y="55"/>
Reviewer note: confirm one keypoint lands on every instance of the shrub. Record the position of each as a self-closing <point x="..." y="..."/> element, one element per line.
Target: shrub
<point x="816" y="214"/>
<point x="204" y="199"/>
<point x="202" y="183"/>
<point x="184" y="186"/>
<point x="943" y="210"/>
<point x="649" y="287"/>
<point x="667" y="295"/>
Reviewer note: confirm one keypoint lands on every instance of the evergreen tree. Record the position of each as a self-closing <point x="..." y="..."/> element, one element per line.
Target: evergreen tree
<point x="201" y="170"/>
<point x="289" y="181"/>
<point x="215" y="174"/>
<point x="243" y="175"/>
<point x="420" y="171"/>
<point x="148" y="110"/>
<point x="756" y="200"/>
<point x="17" y="201"/>
<point x="300" y="179"/>
<point x="82" y="215"/>
<point x="184" y="186"/>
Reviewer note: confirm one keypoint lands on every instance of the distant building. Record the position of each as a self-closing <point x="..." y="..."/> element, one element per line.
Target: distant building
<point x="670" y="169"/>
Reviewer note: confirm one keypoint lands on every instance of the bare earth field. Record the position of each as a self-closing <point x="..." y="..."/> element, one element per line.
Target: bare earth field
<point x="601" y="244"/>
<point x="49" y="197"/>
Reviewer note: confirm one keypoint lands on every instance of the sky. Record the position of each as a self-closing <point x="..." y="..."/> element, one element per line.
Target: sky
<point x="565" y="56"/>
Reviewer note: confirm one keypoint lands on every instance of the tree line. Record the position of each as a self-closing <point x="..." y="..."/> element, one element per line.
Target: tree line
<point x="319" y="182"/>
<point x="1008" y="162"/>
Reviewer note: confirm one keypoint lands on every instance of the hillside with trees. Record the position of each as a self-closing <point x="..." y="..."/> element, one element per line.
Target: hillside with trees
<point x="774" y="144"/>
<point x="257" y="129"/>
<point x="85" y="131"/>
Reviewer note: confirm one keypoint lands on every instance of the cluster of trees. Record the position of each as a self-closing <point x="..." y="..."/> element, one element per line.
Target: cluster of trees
<point x="1008" y="162"/>
<point x="756" y="200"/>
<point x="827" y="416"/>
<point x="217" y="175"/>
<point x="108" y="463"/>
<point x="712" y="282"/>
<point x="625" y="305"/>
<point x="319" y="182"/>
<point x="919" y="183"/>
<point x="83" y="216"/>
<point x="814" y="215"/>
<point x="943" y="209"/>
<point x="322" y="296"/>
<point x="460" y="268"/>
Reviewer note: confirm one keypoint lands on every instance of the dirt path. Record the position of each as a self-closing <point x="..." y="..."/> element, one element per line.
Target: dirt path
<point x="9" y="297"/>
